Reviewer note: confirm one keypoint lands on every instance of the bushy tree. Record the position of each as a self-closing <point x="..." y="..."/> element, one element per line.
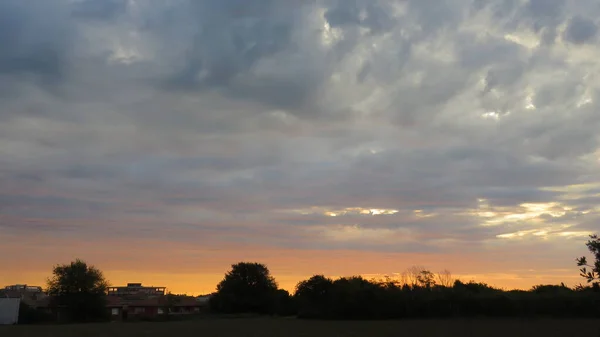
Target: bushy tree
<point x="419" y="276"/>
<point x="426" y="279"/>
<point x="80" y="290"/>
<point x="285" y="305"/>
<point x="313" y="296"/>
<point x="551" y="289"/>
<point x="247" y="287"/>
<point x="357" y="298"/>
<point x="591" y="272"/>
<point x="316" y="288"/>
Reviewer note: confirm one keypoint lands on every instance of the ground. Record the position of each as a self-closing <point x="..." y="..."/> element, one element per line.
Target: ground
<point x="266" y="327"/>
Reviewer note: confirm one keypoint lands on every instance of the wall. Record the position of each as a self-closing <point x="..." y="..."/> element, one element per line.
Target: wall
<point x="9" y="310"/>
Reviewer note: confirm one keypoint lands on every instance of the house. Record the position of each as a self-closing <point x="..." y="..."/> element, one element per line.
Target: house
<point x="33" y="296"/>
<point x="122" y="308"/>
<point x="185" y="305"/>
<point x="135" y="301"/>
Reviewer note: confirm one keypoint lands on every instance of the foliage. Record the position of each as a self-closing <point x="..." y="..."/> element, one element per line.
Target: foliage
<point x="551" y="289"/>
<point x="591" y="272"/>
<point x="247" y="287"/>
<point x="444" y="278"/>
<point x="30" y="315"/>
<point x="313" y="295"/>
<point x="79" y="290"/>
<point x="426" y="279"/>
<point x="169" y="303"/>
<point x="357" y="298"/>
<point x="285" y="305"/>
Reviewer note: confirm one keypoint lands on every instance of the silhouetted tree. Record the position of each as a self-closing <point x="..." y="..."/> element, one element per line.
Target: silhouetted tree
<point x="419" y="276"/>
<point x="444" y="278"/>
<point x="247" y="287"/>
<point x="551" y="289"/>
<point x="426" y="279"/>
<point x="592" y="275"/>
<point x="313" y="296"/>
<point x="474" y="287"/>
<point x="285" y="305"/>
<point x="358" y="298"/>
<point x="80" y="290"/>
<point x="31" y="315"/>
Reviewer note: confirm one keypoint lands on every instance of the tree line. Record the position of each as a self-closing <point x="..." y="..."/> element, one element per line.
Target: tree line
<point x="250" y="288"/>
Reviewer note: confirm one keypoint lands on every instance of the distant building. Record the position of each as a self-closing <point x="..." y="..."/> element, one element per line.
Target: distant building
<point x="123" y="308"/>
<point x="30" y="295"/>
<point x="24" y="289"/>
<point x="137" y="290"/>
<point x="33" y="296"/>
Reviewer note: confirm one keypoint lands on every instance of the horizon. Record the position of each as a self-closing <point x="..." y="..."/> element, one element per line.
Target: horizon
<point x="162" y="141"/>
<point x="190" y="284"/>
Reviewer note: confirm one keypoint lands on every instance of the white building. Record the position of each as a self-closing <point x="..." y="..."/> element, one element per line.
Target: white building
<point x="9" y="310"/>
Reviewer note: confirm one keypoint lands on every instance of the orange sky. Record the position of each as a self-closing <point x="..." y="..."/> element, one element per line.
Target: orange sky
<point x="197" y="271"/>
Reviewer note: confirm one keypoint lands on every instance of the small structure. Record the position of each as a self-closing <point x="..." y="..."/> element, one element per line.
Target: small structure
<point x="136" y="289"/>
<point x="9" y="310"/>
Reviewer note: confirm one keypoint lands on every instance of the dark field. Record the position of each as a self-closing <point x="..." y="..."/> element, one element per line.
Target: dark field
<point x="264" y="327"/>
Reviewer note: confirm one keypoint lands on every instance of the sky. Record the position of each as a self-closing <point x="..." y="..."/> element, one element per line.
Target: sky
<point x="164" y="140"/>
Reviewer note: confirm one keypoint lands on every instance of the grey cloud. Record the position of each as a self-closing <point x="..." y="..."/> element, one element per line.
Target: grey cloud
<point x="223" y="112"/>
<point x="545" y="13"/>
<point x="35" y="39"/>
<point x="374" y="15"/>
<point x="545" y="8"/>
<point x="98" y="9"/>
<point x="230" y="39"/>
<point x="580" y="30"/>
<point x="433" y="15"/>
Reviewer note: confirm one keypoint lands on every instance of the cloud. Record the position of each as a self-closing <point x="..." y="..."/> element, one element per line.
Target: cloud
<point x="103" y="10"/>
<point x="36" y="42"/>
<point x="217" y="123"/>
<point x="580" y="30"/>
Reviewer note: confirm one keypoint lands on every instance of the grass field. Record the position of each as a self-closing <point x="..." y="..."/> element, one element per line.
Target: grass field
<point x="266" y="327"/>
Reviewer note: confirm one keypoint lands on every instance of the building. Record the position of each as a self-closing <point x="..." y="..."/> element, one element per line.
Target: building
<point x="123" y="308"/>
<point x="136" y="301"/>
<point x="137" y="290"/>
<point x="130" y="302"/>
<point x="33" y="296"/>
<point x="23" y="288"/>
